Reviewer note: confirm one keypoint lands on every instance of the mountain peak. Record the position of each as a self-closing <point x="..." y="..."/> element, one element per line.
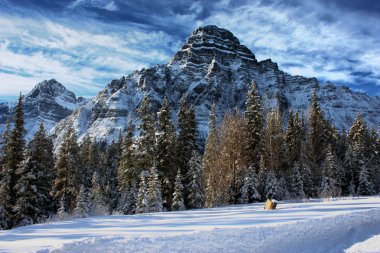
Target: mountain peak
<point x="211" y="42"/>
<point x="51" y="88"/>
<point x="214" y="31"/>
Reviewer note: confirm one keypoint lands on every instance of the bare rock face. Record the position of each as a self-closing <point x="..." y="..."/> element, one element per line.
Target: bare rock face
<point x="48" y="103"/>
<point x="212" y="67"/>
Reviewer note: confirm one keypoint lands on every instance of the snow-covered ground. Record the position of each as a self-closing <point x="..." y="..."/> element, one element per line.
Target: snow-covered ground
<point x="349" y="225"/>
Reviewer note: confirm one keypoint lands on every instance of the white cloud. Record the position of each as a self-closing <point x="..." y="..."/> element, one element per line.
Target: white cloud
<point x="79" y="58"/>
<point x="80" y="54"/>
<point x="101" y="4"/>
<point x="299" y="35"/>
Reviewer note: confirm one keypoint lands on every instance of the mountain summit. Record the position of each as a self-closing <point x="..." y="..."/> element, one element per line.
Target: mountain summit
<point x="48" y="103"/>
<point x="213" y="67"/>
<point x="208" y="43"/>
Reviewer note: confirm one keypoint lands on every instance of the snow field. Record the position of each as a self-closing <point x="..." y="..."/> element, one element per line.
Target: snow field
<point x="315" y="226"/>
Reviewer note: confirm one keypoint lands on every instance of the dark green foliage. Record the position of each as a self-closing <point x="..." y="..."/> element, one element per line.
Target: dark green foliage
<point x="68" y="177"/>
<point x="195" y="188"/>
<point x="255" y="123"/>
<point x="146" y="142"/>
<point x="165" y="146"/>
<point x="186" y="141"/>
<point x="317" y="138"/>
<point x="294" y="137"/>
<point x="178" y="200"/>
<point x="358" y="153"/>
<point x="36" y="174"/>
<point x="86" y="150"/>
<point x="126" y="170"/>
<point x="332" y="175"/>
<point x="13" y="155"/>
<point x="296" y="187"/>
<point x="187" y="135"/>
<point x="109" y="176"/>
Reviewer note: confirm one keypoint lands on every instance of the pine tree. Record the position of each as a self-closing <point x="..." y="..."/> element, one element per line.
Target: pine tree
<point x="274" y="144"/>
<point x="82" y="208"/>
<point x="366" y="185"/>
<point x="35" y="181"/>
<point x="293" y="139"/>
<point x="255" y="123"/>
<point x="357" y="154"/>
<point x="16" y="145"/>
<point x="4" y="142"/>
<point x="331" y="175"/>
<point x="375" y="159"/>
<point x="97" y="202"/>
<point x="249" y="192"/>
<point x="296" y="182"/>
<point x="166" y="141"/>
<point x="210" y="162"/>
<point x="5" y="199"/>
<point x="5" y="206"/>
<point x="128" y="199"/>
<point x="262" y="179"/>
<point x="195" y="187"/>
<point x="87" y="170"/>
<point x="307" y="178"/>
<point x="67" y="169"/>
<point x="62" y="210"/>
<point x="271" y="189"/>
<point x="142" y="196"/>
<point x="178" y="202"/>
<point x="327" y="189"/>
<point x="154" y="191"/>
<point x="187" y="136"/>
<point x="317" y="138"/>
<point x="146" y="142"/>
<point x="12" y="158"/>
<point x="109" y="176"/>
<point x="282" y="188"/>
<point x="333" y="169"/>
<point x="341" y="146"/>
<point x="126" y="170"/>
<point x="167" y="194"/>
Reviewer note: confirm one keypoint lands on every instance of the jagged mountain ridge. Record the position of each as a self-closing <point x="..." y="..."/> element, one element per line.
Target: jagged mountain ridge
<point x="48" y="102"/>
<point x="212" y="66"/>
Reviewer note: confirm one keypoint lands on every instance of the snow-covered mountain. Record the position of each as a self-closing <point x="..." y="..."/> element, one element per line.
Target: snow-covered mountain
<point x="213" y="66"/>
<point x="48" y="102"/>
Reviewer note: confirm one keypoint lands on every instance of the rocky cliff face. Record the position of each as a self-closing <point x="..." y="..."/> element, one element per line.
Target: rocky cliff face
<point x="49" y="102"/>
<point x="212" y="66"/>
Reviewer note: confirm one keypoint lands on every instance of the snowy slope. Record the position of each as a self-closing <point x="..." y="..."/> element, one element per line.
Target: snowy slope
<point x="213" y="67"/>
<point x="314" y="226"/>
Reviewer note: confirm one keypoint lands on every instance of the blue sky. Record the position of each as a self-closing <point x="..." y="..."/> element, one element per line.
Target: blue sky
<point x="86" y="43"/>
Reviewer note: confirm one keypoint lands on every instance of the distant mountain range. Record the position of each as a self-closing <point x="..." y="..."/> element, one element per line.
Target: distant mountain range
<point x="211" y="67"/>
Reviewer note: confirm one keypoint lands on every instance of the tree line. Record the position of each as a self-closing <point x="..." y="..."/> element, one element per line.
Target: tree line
<point x="248" y="156"/>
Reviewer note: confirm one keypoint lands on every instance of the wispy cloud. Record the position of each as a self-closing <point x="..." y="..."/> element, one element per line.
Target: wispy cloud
<point x="32" y="50"/>
<point x="101" y="4"/>
<point x="85" y="43"/>
<point x="302" y="35"/>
